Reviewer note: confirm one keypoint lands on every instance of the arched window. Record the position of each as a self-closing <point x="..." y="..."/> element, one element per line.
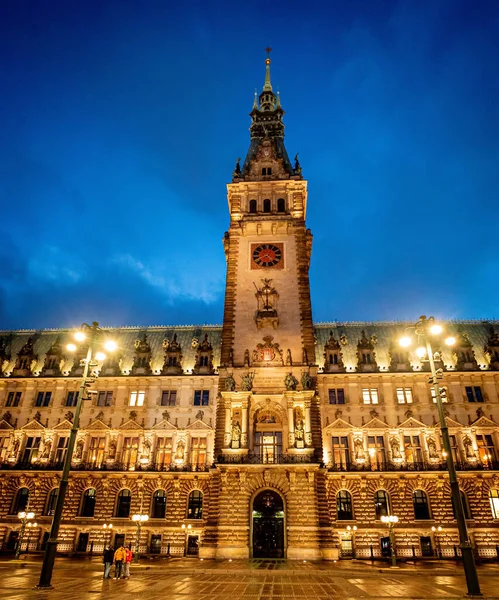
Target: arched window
<point x="381" y="504"/>
<point x="20" y="501"/>
<point x="344" y="508"/>
<point x="88" y="503"/>
<point x="466" y="506"/>
<point x="281" y="205"/>
<point x="158" y="508"/>
<point x="421" y="505"/>
<point x="494" y="503"/>
<point x="123" y="504"/>
<point x="266" y="205"/>
<point x="252" y="206"/>
<point x="51" y="502"/>
<point x="195" y="505"/>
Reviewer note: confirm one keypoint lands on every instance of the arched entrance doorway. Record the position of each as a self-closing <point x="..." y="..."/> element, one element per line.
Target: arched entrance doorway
<point x="268" y="525"/>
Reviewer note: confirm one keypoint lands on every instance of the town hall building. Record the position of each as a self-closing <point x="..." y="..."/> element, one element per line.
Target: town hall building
<point x="270" y="436"/>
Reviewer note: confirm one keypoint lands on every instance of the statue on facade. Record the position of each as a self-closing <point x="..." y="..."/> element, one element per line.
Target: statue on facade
<point x="111" y="453"/>
<point x="236" y="432"/>
<point x="247" y="382"/>
<point x="468" y="447"/>
<point x="395" y="446"/>
<point x="359" y="449"/>
<point x="246" y="358"/>
<point x="200" y="415"/>
<point x="306" y="381"/>
<point x="79" y="449"/>
<point x="180" y="451"/>
<point x="432" y="448"/>
<point x="46" y="449"/>
<point x="230" y="383"/>
<point x="290" y="382"/>
<point x="299" y="431"/>
<point x="15" y="448"/>
<point x="289" y="360"/>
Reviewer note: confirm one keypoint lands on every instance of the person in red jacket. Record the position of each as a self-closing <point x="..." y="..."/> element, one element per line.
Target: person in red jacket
<point x="128" y="560"/>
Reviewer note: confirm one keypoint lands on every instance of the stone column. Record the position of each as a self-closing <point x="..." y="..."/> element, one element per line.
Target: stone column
<point x="244" y="424"/>
<point x="308" y="428"/>
<point x="228" y="423"/>
<point x="291" y="424"/>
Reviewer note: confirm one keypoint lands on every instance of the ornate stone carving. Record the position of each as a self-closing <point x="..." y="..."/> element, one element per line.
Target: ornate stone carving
<point x="142" y="357"/>
<point x="492" y="349"/>
<point x="204" y="358"/>
<point x="230" y="383"/>
<point x="53" y="360"/>
<point x="266" y="312"/>
<point x="267" y="354"/>
<point x="366" y="357"/>
<point x="173" y="357"/>
<point x="333" y="356"/>
<point x="247" y="381"/>
<point x="306" y="381"/>
<point x="395" y="446"/>
<point x="290" y="382"/>
<point x="26" y="360"/>
<point x="463" y="351"/>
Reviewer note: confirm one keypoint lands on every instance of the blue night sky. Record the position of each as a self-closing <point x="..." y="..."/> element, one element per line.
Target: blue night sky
<point x="121" y="122"/>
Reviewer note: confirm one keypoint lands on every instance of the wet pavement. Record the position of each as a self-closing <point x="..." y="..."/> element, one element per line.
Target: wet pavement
<point x="180" y="579"/>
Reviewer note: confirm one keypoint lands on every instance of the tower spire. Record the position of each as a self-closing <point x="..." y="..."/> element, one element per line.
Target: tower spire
<point x="267" y="86"/>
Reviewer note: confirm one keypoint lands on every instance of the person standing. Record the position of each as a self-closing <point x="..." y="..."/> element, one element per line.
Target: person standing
<point x="128" y="560"/>
<point x="119" y="559"/>
<point x="108" y="561"/>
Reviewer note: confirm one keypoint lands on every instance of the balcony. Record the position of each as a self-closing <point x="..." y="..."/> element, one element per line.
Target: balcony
<point x="259" y="459"/>
<point x="412" y="466"/>
<point x="155" y="468"/>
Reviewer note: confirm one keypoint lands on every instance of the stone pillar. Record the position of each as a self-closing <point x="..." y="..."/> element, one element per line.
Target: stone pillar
<point x="244" y="424"/>
<point x="228" y="424"/>
<point x="308" y="428"/>
<point x="291" y="424"/>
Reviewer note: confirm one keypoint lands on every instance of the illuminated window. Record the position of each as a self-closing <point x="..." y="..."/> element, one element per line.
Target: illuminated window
<point x="62" y="448"/>
<point x="370" y="395"/>
<point x="195" y="505"/>
<point x="404" y="395"/>
<point x="137" y="398"/>
<point x="486" y="449"/>
<point x="336" y="396"/>
<point x="163" y="454"/>
<point x="376" y="450"/>
<point x="340" y="452"/>
<point x="474" y="393"/>
<point x="381" y="504"/>
<point x="96" y="451"/>
<point x="130" y="451"/>
<point x="198" y="451"/>
<point x="4" y="448"/>
<point x="31" y="450"/>
<point x="494" y="503"/>
<point x="412" y="449"/>
<point x="344" y="508"/>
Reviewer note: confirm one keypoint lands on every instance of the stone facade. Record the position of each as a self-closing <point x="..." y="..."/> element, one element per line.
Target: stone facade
<point x="267" y="436"/>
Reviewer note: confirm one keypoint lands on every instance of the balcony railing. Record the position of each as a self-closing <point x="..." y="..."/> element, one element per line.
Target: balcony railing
<point x="53" y="466"/>
<point x="259" y="459"/>
<point x="413" y="466"/>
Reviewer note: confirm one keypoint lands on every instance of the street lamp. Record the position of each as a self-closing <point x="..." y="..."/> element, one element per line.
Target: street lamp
<point x="25" y="518"/>
<point x="93" y="333"/>
<point x="108" y="527"/>
<point x="424" y="329"/>
<point x="138" y="520"/>
<point x="437" y="540"/>
<point x="390" y="520"/>
<point x="186" y="529"/>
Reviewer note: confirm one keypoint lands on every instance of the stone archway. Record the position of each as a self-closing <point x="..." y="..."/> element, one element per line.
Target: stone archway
<point x="267" y="517"/>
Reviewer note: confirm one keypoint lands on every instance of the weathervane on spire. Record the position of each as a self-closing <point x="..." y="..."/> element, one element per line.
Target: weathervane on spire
<point x="267" y="86"/>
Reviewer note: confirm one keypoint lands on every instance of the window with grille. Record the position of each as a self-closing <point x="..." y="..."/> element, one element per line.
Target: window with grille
<point x="404" y="395"/>
<point x="195" y="505"/>
<point x="344" y="507"/>
<point x="96" y="451"/>
<point x="201" y="398"/>
<point x="336" y="396"/>
<point x="198" y="451"/>
<point x="412" y="449"/>
<point x="4" y="448"/>
<point x="370" y="395"/>
<point x="62" y="448"/>
<point x="474" y="393"/>
<point x="43" y="398"/>
<point x="130" y="451"/>
<point x="376" y="451"/>
<point x="169" y="398"/>
<point x="136" y="399"/>
<point x="486" y="448"/>
<point x="104" y="398"/>
<point x="31" y="450"/>
<point x="13" y="398"/>
<point x="340" y="451"/>
<point x="158" y="507"/>
<point x="381" y="504"/>
<point x="163" y="453"/>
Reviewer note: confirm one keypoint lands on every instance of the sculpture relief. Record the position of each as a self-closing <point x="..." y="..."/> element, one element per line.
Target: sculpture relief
<point x="395" y="446"/>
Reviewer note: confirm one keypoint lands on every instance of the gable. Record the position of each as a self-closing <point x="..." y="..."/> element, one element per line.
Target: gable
<point x="97" y="425"/>
<point x="375" y="423"/>
<point x="452" y="423"/>
<point x="131" y="426"/>
<point x="484" y="422"/>
<point x="198" y="424"/>
<point x="65" y="424"/>
<point x="33" y="426"/>
<point x="339" y="424"/>
<point x="163" y="424"/>
<point x="5" y="424"/>
<point x="412" y="422"/>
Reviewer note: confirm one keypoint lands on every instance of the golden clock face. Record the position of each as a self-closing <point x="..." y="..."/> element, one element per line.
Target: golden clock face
<point x="266" y="256"/>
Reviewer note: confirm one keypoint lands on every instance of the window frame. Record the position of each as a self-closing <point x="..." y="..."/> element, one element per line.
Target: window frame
<point x="336" y="396"/>
<point x="415" y="502"/>
<point x="344" y="498"/>
<point x="372" y="394"/>
<point x="195" y="506"/>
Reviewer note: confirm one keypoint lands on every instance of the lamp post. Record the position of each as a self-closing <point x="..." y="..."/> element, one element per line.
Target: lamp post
<point x="186" y="530"/>
<point x="351" y="531"/>
<point x="424" y="329"/>
<point x="390" y="520"/>
<point x="437" y="540"/>
<point x="93" y="333"/>
<point x="138" y="520"/>
<point x="108" y="527"/>
<point x="25" y="518"/>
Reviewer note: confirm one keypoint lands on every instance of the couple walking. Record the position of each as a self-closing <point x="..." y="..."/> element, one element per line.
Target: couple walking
<point x="121" y="558"/>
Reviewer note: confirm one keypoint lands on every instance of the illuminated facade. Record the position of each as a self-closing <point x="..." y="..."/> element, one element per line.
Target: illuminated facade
<point x="268" y="436"/>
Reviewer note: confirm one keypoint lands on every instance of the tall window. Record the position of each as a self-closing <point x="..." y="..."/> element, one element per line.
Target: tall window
<point x="129" y="454"/>
<point x="340" y="452"/>
<point x="163" y="455"/>
<point x="123" y="504"/>
<point x="88" y="503"/>
<point x="137" y="399"/>
<point x="195" y="505"/>
<point x="333" y="358"/>
<point x="20" y="501"/>
<point x="198" y="451"/>
<point x="474" y="393"/>
<point x="266" y="205"/>
<point x="494" y="503"/>
<point x="268" y="446"/>
<point x="366" y="358"/>
<point x="281" y="205"/>
<point x="51" y="502"/>
<point x="31" y="450"/>
<point x="71" y="398"/>
<point x="105" y="399"/>
<point x="412" y="449"/>
<point x="370" y="395"/>
<point x="96" y="451"/>
<point x="62" y="448"/>
<point x="381" y="504"/>
<point x="376" y="450"/>
<point x="486" y="448"/>
<point x="252" y="206"/>
<point x="201" y="397"/>
<point x="13" y="398"/>
<point x="466" y="506"/>
<point x="336" y="396"/>
<point x="158" y="508"/>
<point x="344" y="509"/>
<point x="4" y="448"/>
<point x="404" y="395"/>
<point x="43" y="398"/>
<point x="421" y="506"/>
<point x="169" y="398"/>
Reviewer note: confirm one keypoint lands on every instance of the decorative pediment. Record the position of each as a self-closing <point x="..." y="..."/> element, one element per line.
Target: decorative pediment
<point x="375" y="423"/>
<point x="164" y="424"/>
<point x="198" y="425"/>
<point x="484" y="422"/>
<point x="97" y="425"/>
<point x="452" y="423"/>
<point x="412" y="422"/>
<point x="267" y="354"/>
<point x="131" y="425"/>
<point x="33" y="425"/>
<point x="339" y="424"/>
<point x="65" y="424"/>
<point x="5" y="425"/>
